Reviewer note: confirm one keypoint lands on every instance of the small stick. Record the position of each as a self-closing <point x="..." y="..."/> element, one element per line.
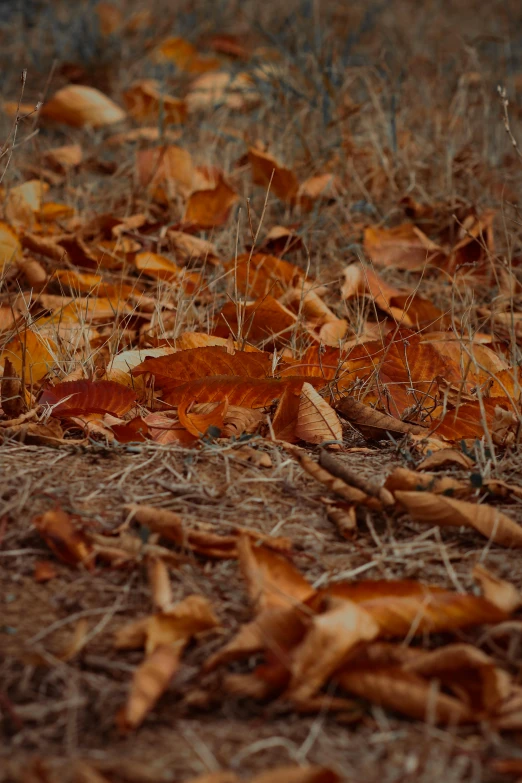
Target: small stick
<point x="337" y="468"/>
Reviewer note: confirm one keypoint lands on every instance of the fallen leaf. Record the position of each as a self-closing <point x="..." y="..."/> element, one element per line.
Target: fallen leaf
<point x="448" y="512"/>
<point x="67" y="542"/>
<point x="80" y="106"/>
<point x="210" y="207"/>
<point x="267" y="171"/>
<point x="272" y="581"/>
<point x="373" y="424"/>
<point x="241" y="391"/>
<point x="197" y="423"/>
<point x="146" y="101"/>
<point x="75" y="397"/>
<point x="402" y="247"/>
<point x="333" y="634"/>
<point x="316" y="419"/>
<point x="498" y="591"/>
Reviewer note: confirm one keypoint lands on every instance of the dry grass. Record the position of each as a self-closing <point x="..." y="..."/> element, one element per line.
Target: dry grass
<point x="423" y="119"/>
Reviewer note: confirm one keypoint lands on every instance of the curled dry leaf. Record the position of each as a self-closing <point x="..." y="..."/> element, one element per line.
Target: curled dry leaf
<point x="80" y="106"/>
<point x="316" y="419"/>
<point x="373" y="424"/>
<point x="446" y="457"/>
<point x="405" y="607"/>
<point x="67" y="542"/>
<point x="76" y="397"/>
<point x="164" y="636"/>
<point x="498" y="591"/>
<point x="149" y="682"/>
<point x="206" y="543"/>
<point x="404" y="692"/>
<point x="411" y="481"/>
<point x="449" y="512"/>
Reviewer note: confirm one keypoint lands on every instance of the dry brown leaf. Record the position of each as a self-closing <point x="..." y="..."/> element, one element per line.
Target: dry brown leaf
<point x="80" y="106"/>
<point x="210" y="207"/>
<point x="405" y="607"/>
<point x="333" y="634"/>
<point x="404" y="692"/>
<point x="498" y="591"/>
<point x="448" y="512"/>
<point x="197" y="422"/>
<point x="411" y="481"/>
<point x="10" y="248"/>
<point x="272" y="581"/>
<point x="446" y="457"/>
<point x="373" y="424"/>
<point x="146" y="101"/>
<point x="149" y="682"/>
<point x="402" y="247"/>
<point x="67" y="542"/>
<point x="316" y="419"/>
<point x="266" y="170"/>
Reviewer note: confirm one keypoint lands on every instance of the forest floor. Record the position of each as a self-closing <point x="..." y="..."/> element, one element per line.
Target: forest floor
<point x="400" y="102"/>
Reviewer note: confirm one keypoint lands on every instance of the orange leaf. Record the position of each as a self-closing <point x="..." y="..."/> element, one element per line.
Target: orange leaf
<point x="260" y="274"/>
<point x="333" y="634"/>
<point x="210" y="207"/>
<point x="402" y="247"/>
<point x="81" y="106"/>
<point x="165" y="430"/>
<point x="60" y="535"/>
<point x="272" y="581"/>
<point x="404" y="692"/>
<point x="239" y="390"/>
<point x="448" y="512"/>
<point x="10" y="248"/>
<point x="205" y="362"/>
<point x="198" y="423"/>
<point x="149" y="682"/>
<point x="146" y="102"/>
<point x="404" y="607"/>
<point x="73" y="397"/>
<point x="372" y="423"/>
<point x="266" y="319"/>
<point x="408" y="371"/>
<point x="266" y="168"/>
<point x="166" y="171"/>
<point x="30" y="355"/>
